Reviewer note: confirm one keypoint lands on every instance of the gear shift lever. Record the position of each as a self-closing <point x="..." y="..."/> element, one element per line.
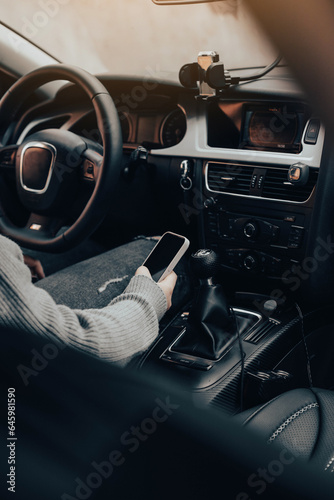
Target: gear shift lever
<point x="211" y="326"/>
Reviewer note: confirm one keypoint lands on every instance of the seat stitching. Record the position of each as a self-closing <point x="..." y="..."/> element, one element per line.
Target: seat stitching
<point x="290" y="419"/>
<point x="329" y="464"/>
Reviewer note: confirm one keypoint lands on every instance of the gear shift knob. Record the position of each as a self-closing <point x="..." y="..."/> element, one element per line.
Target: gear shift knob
<point x="210" y="327"/>
<point x="204" y="264"/>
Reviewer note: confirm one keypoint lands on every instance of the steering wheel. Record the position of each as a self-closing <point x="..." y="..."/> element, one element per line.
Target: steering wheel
<point x="50" y="165"/>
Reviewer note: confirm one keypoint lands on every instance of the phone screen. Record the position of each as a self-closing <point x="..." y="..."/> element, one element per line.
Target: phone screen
<point x="163" y="254"/>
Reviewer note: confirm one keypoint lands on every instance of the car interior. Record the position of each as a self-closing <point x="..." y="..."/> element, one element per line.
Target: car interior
<point x="238" y="161"/>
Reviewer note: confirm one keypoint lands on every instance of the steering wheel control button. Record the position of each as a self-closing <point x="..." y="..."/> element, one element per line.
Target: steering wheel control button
<point x="7" y="157"/>
<point x="36" y="166"/>
<point x="312" y="131"/>
<point x="88" y="169"/>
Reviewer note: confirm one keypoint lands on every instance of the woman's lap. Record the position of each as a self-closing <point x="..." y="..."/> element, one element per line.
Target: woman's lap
<point x="93" y="283"/>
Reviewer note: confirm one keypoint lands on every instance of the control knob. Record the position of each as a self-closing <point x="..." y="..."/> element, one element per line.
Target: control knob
<point x="250" y="262"/>
<point x="251" y="230"/>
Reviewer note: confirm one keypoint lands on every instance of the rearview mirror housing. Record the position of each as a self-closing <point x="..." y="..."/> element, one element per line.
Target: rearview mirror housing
<point x="181" y="2"/>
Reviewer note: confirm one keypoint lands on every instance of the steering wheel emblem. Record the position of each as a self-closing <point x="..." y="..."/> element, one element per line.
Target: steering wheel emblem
<point x="36" y="166"/>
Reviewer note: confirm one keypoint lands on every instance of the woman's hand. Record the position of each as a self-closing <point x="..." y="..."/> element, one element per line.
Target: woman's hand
<point x="167" y="285"/>
<point x="35" y="267"/>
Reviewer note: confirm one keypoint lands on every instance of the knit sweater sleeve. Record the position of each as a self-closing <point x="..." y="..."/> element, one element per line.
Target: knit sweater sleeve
<point x="128" y="325"/>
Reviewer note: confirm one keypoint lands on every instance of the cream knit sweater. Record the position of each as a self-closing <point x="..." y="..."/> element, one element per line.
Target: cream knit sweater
<point x="128" y="325"/>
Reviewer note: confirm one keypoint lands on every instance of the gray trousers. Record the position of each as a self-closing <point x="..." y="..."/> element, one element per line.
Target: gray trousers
<point x="94" y="282"/>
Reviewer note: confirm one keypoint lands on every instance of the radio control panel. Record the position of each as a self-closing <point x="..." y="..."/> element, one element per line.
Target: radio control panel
<point x="255" y="243"/>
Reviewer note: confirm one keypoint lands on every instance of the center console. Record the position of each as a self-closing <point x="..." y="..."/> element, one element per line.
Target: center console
<point x="252" y="234"/>
<point x="248" y="368"/>
<point x="249" y="183"/>
<point x="257" y="211"/>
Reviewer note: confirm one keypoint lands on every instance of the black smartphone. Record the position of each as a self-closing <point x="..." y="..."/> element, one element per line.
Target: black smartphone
<point x="165" y="255"/>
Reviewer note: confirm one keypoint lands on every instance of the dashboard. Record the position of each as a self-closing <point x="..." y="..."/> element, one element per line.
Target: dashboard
<point x="225" y="165"/>
<point x="144" y="127"/>
<point x="152" y="119"/>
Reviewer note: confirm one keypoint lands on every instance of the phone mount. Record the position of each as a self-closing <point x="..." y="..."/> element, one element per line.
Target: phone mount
<point x="207" y="73"/>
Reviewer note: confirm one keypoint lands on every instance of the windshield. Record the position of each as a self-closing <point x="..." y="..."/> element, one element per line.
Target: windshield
<point x="137" y="37"/>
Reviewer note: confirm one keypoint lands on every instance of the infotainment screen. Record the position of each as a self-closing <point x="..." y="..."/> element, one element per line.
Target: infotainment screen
<point x="259" y="126"/>
<point x="273" y="127"/>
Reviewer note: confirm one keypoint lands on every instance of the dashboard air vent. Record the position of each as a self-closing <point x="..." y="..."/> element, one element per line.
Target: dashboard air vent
<point x="274" y="186"/>
<point x="260" y="181"/>
<point x="229" y="178"/>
